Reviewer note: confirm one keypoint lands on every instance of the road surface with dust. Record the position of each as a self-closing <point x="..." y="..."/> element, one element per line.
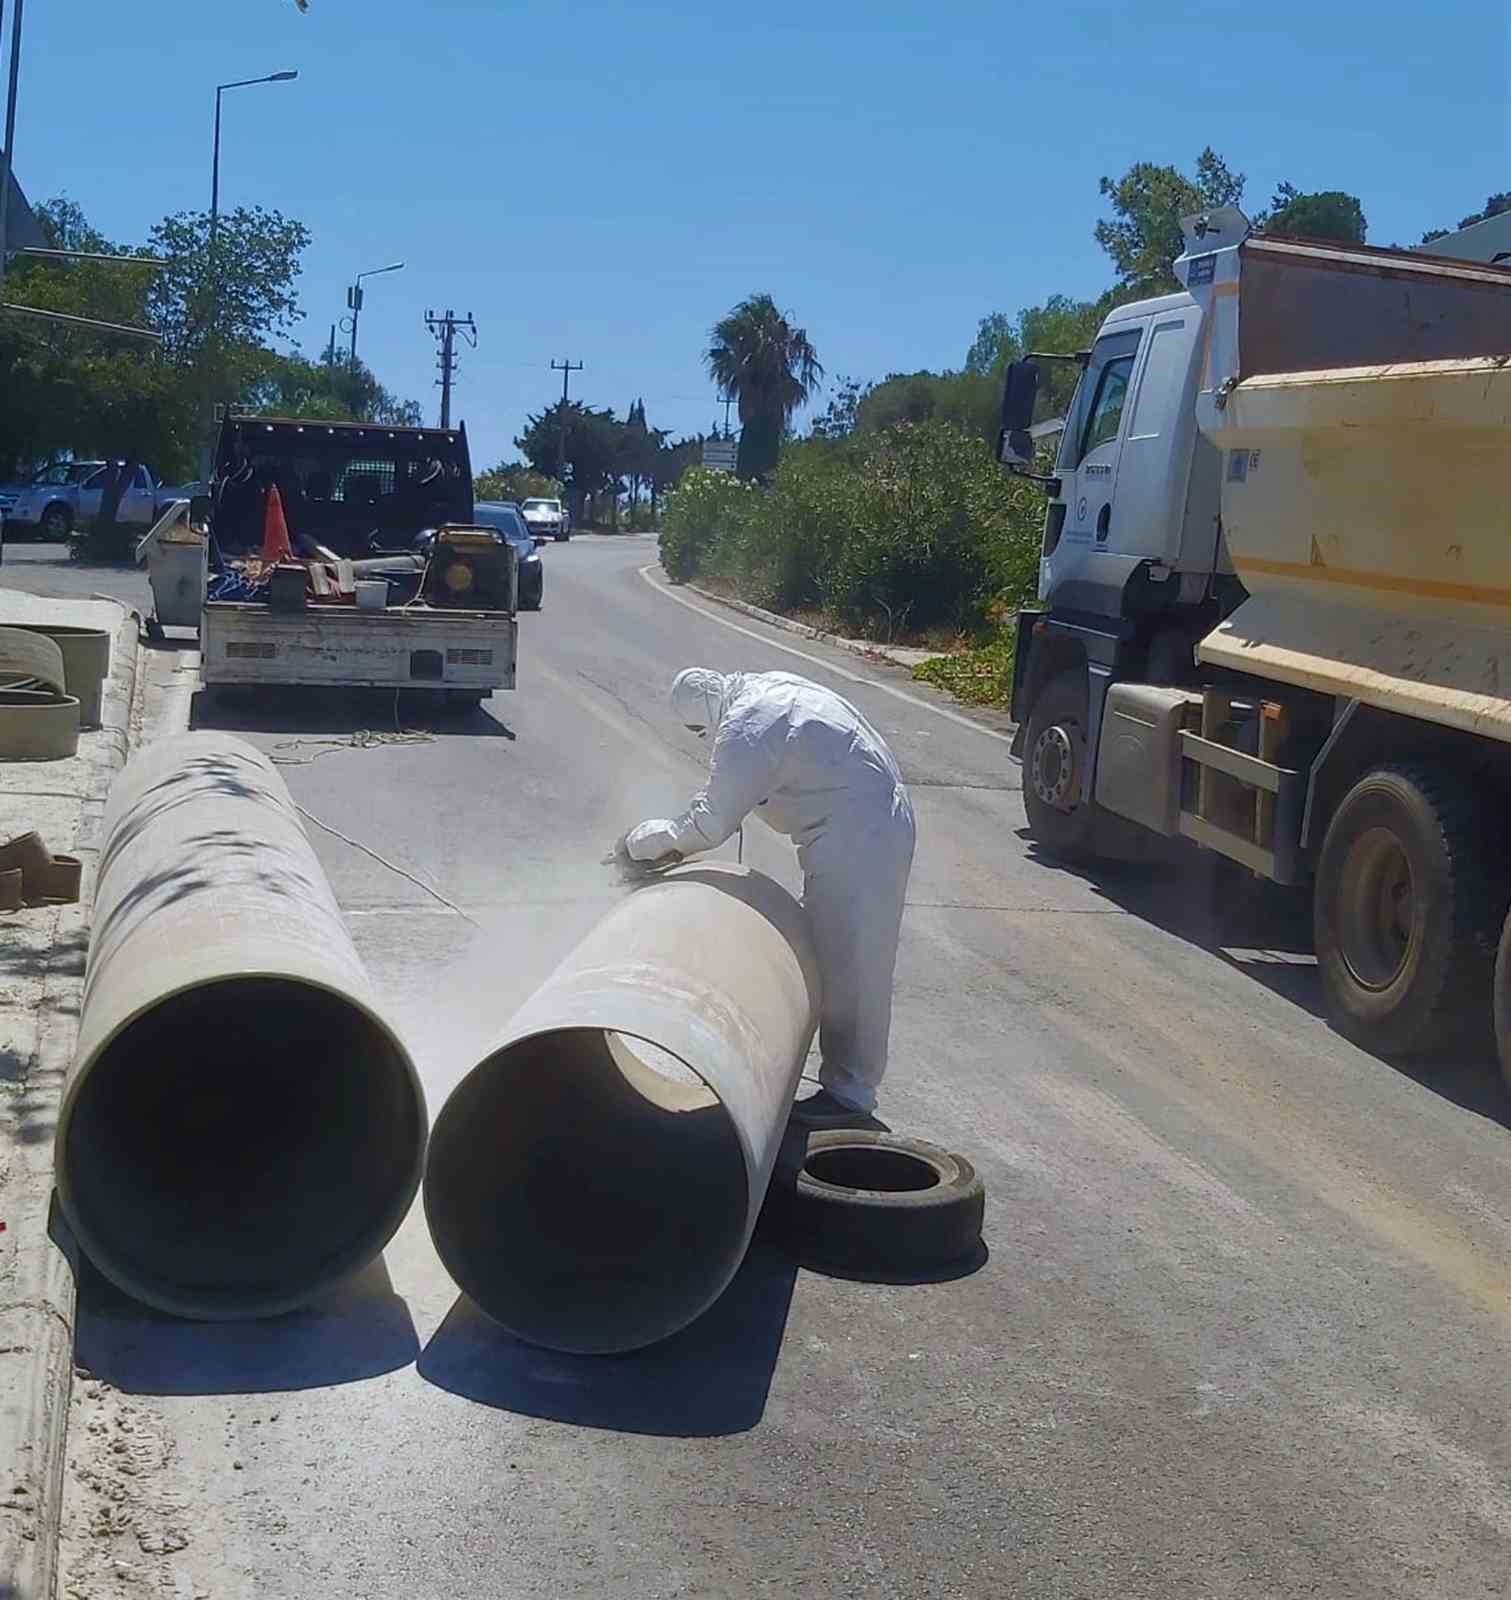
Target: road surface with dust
<point x="1238" y="1332"/>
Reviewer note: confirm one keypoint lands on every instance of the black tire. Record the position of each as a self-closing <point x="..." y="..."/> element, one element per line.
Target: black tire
<point x="878" y="1202"/>
<point x="1057" y="725"/>
<point x="1407" y="911"/>
<point x="56" y="523"/>
<point x="561" y="538"/>
<point x="1502" y="1001"/>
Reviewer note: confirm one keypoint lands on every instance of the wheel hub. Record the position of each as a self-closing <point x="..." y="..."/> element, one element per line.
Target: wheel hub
<point x="1377" y="909"/>
<point x="1055" y="766"/>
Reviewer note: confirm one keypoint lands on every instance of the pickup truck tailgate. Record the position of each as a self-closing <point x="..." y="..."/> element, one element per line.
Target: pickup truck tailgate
<point x="413" y="647"/>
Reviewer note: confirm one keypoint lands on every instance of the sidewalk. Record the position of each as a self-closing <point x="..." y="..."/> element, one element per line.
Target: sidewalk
<point x="42" y="953"/>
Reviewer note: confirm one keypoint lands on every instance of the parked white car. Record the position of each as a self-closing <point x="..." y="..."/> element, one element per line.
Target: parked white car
<point x="546" y="519"/>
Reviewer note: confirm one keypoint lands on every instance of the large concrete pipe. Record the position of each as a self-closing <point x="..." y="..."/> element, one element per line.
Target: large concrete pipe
<point x="242" y="1128"/>
<point x="594" y="1181"/>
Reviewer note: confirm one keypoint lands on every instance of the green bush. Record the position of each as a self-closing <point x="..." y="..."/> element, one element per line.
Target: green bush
<point x="706" y="509"/>
<point x="914" y="528"/>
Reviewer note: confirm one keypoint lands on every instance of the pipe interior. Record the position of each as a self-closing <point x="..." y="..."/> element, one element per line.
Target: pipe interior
<point x="250" y="1139"/>
<point x="587" y="1191"/>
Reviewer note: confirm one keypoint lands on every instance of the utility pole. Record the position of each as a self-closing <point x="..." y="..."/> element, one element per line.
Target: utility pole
<point x="728" y="402"/>
<point x="445" y="330"/>
<point x="6" y="165"/>
<point x="566" y="369"/>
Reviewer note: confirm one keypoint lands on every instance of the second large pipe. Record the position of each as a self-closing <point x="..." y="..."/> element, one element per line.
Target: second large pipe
<point x="594" y="1181"/>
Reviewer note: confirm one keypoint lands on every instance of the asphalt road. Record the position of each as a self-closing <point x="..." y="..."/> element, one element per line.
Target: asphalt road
<point x="1238" y="1329"/>
<point x="46" y="569"/>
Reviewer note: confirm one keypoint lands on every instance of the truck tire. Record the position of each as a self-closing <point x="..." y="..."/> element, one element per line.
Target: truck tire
<point x="57" y="522"/>
<point x="1054" y="756"/>
<point x="1407" y="910"/>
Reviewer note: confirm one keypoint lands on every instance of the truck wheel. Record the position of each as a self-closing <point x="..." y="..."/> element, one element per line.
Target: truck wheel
<point x="1407" y="910"/>
<point x="1054" y="764"/>
<point x="57" y="523"/>
<point x="1502" y="1006"/>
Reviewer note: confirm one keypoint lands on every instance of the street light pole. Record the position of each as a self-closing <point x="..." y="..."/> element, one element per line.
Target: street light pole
<point x="214" y="329"/>
<point x="10" y="132"/>
<point x="215" y="162"/>
<point x="354" y="298"/>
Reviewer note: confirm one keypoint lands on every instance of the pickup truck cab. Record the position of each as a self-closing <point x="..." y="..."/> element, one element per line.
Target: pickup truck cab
<point x="48" y="506"/>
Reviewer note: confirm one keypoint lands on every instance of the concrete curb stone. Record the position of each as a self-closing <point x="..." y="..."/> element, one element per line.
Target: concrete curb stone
<point x="42" y="956"/>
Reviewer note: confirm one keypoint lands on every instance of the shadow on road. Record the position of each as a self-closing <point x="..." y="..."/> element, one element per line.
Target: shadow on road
<point x="1264" y="931"/>
<point x="341" y="711"/>
<point x="709" y="1380"/>
<point x="360" y="1330"/>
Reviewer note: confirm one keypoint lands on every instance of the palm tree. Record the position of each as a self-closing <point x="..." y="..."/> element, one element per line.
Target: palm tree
<point x="768" y="368"/>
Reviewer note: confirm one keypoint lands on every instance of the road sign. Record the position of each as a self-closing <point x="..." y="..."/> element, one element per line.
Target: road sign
<point x="720" y="454"/>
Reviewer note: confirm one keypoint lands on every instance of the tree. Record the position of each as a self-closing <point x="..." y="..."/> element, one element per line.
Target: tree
<point x="1493" y="207"/>
<point x="1328" y="214"/>
<point x="638" y="446"/>
<point x="670" y="463"/>
<point x="1143" y="237"/>
<point x="593" y="448"/>
<point x="342" y="390"/>
<point x="995" y="344"/>
<point x="840" y="416"/>
<point x="240" y="295"/>
<point x="768" y="368"/>
<point x="513" y="480"/>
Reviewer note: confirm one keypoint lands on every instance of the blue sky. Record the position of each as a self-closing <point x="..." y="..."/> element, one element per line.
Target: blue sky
<point x="603" y="181"/>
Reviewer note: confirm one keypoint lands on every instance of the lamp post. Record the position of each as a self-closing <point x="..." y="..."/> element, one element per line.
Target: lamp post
<point x="354" y="298"/>
<point x="220" y="89"/>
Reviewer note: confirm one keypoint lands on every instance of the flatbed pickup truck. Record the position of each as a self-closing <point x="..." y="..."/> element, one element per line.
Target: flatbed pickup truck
<point x="361" y="493"/>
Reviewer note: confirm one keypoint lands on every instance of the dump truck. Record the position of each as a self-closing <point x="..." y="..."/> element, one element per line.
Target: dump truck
<point x="1274" y="615"/>
<point x="355" y="498"/>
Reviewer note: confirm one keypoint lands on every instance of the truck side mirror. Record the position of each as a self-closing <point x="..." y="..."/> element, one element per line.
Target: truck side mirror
<point x="1020" y="390"/>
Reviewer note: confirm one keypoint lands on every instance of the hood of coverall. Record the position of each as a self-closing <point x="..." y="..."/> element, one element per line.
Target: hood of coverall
<point x="699" y="695"/>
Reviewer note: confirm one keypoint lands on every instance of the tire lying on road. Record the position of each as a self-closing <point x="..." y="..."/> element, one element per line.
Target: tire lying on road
<point x="866" y="1201"/>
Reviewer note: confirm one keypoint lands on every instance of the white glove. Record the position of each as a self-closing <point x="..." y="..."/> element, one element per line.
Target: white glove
<point x="650" y="841"/>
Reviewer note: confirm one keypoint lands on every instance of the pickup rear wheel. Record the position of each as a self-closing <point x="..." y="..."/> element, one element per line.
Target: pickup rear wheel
<point x="1407" y="911"/>
<point x="1054" y="767"/>
<point x="57" y="522"/>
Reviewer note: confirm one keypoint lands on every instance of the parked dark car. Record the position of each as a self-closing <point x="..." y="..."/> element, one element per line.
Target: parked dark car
<point x="511" y="525"/>
<point x="507" y="523"/>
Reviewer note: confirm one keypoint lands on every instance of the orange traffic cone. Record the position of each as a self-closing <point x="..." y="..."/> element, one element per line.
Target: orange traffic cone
<point x="275" y="531"/>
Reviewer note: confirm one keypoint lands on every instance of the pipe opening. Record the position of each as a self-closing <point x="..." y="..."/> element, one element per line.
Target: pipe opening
<point x="588" y="1191"/>
<point x="869" y="1167"/>
<point x="241" y="1145"/>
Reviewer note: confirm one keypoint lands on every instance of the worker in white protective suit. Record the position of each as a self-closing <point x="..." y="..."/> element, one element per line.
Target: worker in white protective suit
<point x="815" y="769"/>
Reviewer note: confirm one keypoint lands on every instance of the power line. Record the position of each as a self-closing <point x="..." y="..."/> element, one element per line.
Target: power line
<point x="445" y="329"/>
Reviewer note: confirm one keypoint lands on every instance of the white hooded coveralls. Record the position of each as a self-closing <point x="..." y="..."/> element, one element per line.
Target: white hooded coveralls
<point x="820" y="773"/>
